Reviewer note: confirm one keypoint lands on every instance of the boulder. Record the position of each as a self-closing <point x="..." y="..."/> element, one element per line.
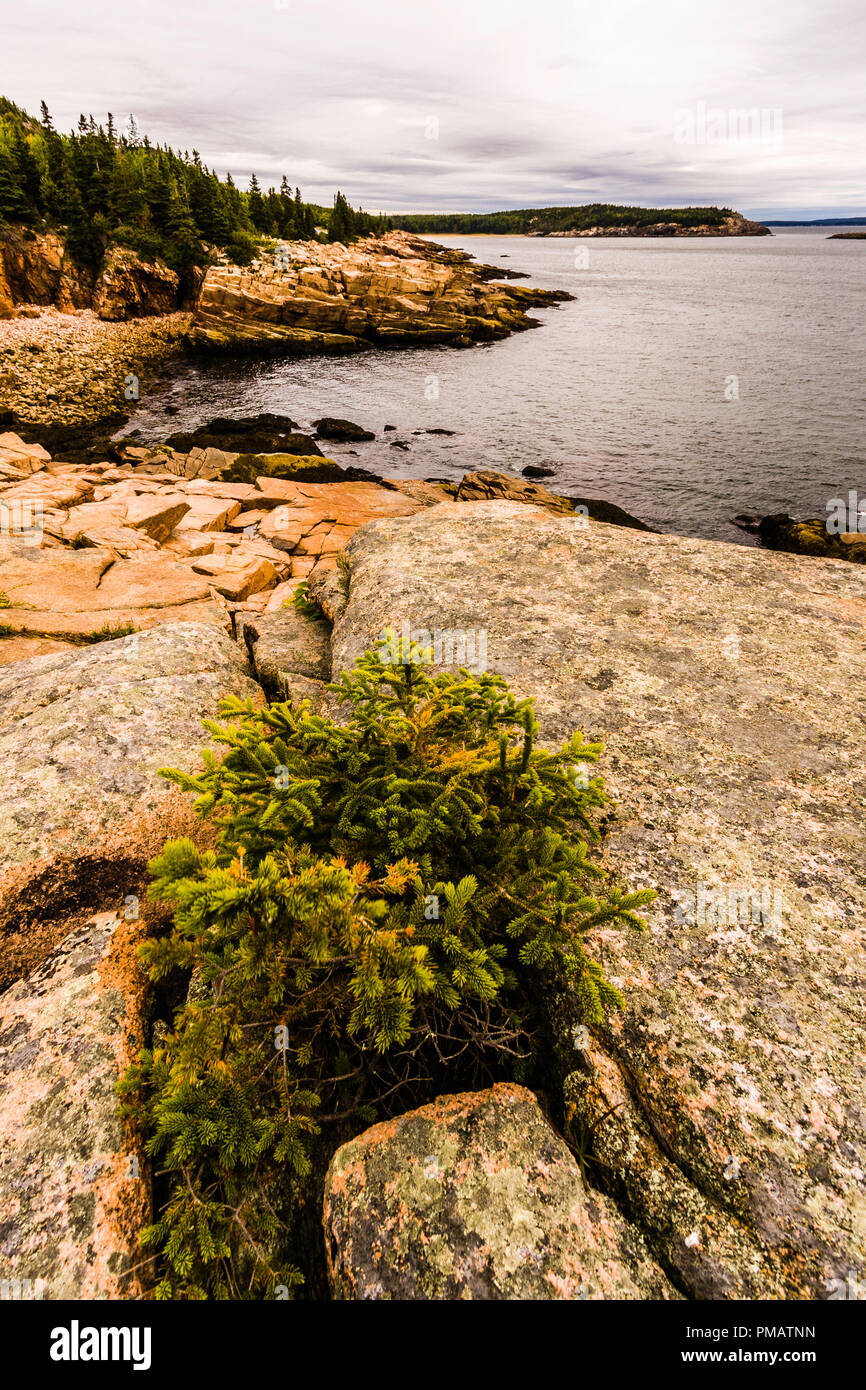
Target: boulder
<point x="73" y="1177"/>
<point x="600" y="510"/>
<point x="341" y="431"/>
<point x="811" y="537"/>
<point x="725" y="684"/>
<point x="485" y="484"/>
<point x="290" y="651"/>
<point x="476" y="1197"/>
<point x="87" y="731"/>
<point x="256" y="434"/>
<point x="24" y="458"/>
<point x="236" y="577"/>
<point x="156" y="516"/>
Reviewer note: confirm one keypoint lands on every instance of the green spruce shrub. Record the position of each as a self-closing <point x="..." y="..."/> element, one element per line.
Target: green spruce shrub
<point x="382" y="897"/>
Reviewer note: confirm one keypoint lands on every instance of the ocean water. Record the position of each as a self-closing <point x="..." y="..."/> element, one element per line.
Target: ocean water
<point x="688" y="381"/>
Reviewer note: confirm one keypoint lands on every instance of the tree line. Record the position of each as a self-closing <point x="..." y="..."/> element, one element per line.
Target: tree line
<point x="547" y="220"/>
<point x="104" y="186"/>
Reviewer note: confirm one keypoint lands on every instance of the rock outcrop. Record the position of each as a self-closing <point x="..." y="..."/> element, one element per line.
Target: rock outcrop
<point x="341" y="431"/>
<point x="74" y="1189"/>
<point x="35" y="270"/>
<point x="725" y="683"/>
<point x="488" y="485"/>
<point x="476" y="1197"/>
<point x="88" y="552"/>
<point x="130" y="288"/>
<point x="86" y="732"/>
<point x="390" y="290"/>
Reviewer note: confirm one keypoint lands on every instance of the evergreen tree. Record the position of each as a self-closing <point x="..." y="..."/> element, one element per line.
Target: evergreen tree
<point x="103" y="186"/>
<point x="13" y="204"/>
<point x="342" y="223"/>
<point x="393" y="887"/>
<point x="256" y="206"/>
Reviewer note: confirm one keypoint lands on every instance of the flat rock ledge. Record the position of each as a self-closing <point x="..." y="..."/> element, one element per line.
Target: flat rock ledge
<point x="727" y="685"/>
<point x="476" y="1197"/>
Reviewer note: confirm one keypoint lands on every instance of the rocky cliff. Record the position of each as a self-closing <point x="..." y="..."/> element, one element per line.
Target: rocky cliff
<point x="36" y="271"/>
<point x="391" y="290"/>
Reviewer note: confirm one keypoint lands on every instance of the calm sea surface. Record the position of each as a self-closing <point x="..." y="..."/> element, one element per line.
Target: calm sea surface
<point x="688" y="381"/>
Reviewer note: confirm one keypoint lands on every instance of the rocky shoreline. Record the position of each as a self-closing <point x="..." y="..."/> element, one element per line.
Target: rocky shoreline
<point x="390" y="291"/>
<point x="705" y="1143"/>
<point x="76" y="356"/>
<point x="75" y="371"/>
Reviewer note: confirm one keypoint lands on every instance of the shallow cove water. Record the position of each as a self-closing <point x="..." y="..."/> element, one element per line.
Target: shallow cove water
<point x="690" y="380"/>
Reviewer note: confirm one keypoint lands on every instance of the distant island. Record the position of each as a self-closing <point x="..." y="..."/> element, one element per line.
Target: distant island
<point x="820" y="222"/>
<point x="591" y="219"/>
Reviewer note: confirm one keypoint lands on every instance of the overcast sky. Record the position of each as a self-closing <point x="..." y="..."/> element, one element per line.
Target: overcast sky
<point x="474" y="104"/>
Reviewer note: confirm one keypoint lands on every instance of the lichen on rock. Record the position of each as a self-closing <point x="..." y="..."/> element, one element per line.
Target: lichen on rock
<point x="476" y="1197"/>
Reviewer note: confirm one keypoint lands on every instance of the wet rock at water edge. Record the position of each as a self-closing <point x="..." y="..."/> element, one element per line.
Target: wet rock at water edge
<point x="537" y="470"/>
<point x="811" y="537"/>
<point x="747" y="521"/>
<point x="257" y="434"/>
<point x="341" y="431"/>
<point x="608" y="512"/>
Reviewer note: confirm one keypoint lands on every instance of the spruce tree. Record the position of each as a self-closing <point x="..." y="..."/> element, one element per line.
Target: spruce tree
<point x="256" y="206"/>
<point x="382" y="898"/>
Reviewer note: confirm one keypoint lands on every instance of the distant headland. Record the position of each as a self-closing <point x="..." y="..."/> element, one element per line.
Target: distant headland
<point x="591" y="219"/>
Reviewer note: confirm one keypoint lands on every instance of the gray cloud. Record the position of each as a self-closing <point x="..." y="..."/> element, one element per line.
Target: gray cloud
<point x="497" y="103"/>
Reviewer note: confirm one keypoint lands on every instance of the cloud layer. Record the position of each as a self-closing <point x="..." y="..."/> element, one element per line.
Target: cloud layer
<point x="476" y="104"/>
